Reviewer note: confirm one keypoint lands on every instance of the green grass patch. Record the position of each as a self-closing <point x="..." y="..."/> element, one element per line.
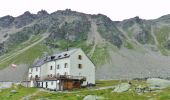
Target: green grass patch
<point x="128" y="45"/>
<point x="101" y="54"/>
<point x="21" y="92"/>
<point x="79" y="94"/>
<point x="106" y="93"/>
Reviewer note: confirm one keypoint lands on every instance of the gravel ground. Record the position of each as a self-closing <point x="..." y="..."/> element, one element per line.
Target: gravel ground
<point x="129" y="64"/>
<point x="14" y="74"/>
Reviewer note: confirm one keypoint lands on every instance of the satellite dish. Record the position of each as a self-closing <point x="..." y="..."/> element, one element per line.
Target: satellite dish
<point x="58" y="81"/>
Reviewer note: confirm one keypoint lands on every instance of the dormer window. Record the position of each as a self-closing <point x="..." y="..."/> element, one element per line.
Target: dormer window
<point x="79" y="57"/>
<point x="65" y="54"/>
<point x="59" y="56"/>
<point x="52" y="57"/>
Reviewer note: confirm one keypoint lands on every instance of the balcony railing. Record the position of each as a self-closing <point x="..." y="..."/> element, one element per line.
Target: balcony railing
<point x="64" y="77"/>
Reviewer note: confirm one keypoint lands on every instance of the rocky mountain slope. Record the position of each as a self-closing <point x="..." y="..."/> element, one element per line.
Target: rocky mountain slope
<point x="132" y="48"/>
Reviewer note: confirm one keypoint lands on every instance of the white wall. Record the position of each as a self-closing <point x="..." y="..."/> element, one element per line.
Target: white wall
<point x="45" y="68"/>
<point x="48" y="66"/>
<point x="31" y="83"/>
<point x="88" y="68"/>
<point x="43" y="72"/>
<point x="61" y="63"/>
<point x="34" y="72"/>
<point x="54" y="86"/>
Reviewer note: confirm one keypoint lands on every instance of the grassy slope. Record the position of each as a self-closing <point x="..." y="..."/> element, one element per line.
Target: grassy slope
<point x="101" y="54"/>
<point x="26" y="57"/>
<point x="99" y="57"/>
<point x="107" y="93"/>
<point x="162" y="36"/>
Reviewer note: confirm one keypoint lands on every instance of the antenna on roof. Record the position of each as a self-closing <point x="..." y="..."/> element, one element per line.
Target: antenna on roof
<point x="67" y="41"/>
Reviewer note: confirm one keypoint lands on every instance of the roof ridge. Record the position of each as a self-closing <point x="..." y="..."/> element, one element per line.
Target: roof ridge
<point x="56" y="56"/>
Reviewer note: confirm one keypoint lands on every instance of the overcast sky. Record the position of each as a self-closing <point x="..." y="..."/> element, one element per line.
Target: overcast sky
<point x="115" y="9"/>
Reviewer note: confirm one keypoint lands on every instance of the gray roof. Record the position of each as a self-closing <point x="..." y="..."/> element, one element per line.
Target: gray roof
<point x="54" y="57"/>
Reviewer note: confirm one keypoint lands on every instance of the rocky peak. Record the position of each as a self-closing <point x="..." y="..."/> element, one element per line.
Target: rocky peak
<point x="27" y="13"/>
<point x="130" y="22"/>
<point x="6" y="21"/>
<point x="42" y="13"/>
<point x="137" y="20"/>
<point x="24" y="19"/>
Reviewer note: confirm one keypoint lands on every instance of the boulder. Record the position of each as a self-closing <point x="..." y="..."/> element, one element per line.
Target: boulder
<point x="142" y="89"/>
<point x="156" y="83"/>
<point x="13" y="91"/>
<point x="93" y="97"/>
<point x="123" y="87"/>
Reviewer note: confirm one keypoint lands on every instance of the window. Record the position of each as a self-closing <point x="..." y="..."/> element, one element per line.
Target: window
<point x="51" y="67"/>
<point x="51" y="75"/>
<point x="66" y="65"/>
<point x="36" y="68"/>
<point x="52" y="57"/>
<point x="36" y="76"/>
<point x="58" y="74"/>
<point x="79" y="57"/>
<point x="31" y="69"/>
<point x="58" y="66"/>
<point x="65" y="73"/>
<point x="80" y="66"/>
<point x="51" y="82"/>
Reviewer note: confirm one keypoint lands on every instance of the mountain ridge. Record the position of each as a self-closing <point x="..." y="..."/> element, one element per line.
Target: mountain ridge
<point x="112" y="45"/>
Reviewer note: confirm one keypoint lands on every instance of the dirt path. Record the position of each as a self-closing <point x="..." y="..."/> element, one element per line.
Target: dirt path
<point x="29" y="96"/>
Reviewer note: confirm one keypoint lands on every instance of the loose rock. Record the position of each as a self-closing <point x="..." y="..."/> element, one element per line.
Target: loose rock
<point x="123" y="87"/>
<point x="93" y="97"/>
<point x="13" y="91"/>
<point x="156" y="83"/>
